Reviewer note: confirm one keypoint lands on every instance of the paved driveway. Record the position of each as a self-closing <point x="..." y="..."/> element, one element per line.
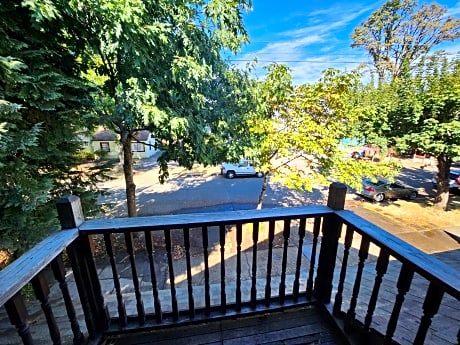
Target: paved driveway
<point x="186" y="191"/>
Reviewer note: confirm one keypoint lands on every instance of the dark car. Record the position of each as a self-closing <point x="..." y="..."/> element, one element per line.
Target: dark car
<point x="454" y="181"/>
<point x="381" y="189"/>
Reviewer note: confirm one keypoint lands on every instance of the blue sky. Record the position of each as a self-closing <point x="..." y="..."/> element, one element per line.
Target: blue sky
<point x="312" y="35"/>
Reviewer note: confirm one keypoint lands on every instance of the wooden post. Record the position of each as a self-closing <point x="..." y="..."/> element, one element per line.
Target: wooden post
<point x="69" y="212"/>
<point x="81" y="259"/>
<point x="337" y="195"/>
<point x="332" y="226"/>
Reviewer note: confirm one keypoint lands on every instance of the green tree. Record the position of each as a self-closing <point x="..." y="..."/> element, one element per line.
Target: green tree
<point x="378" y="101"/>
<point x="299" y="131"/>
<point x="158" y="66"/>
<point x="427" y="115"/>
<point x="400" y="31"/>
<point x="42" y="107"/>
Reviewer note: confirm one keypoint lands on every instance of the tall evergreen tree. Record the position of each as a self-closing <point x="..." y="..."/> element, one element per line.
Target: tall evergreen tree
<point x="42" y="107"/>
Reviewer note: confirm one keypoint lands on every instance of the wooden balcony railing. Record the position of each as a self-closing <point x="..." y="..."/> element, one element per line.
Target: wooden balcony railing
<point x="132" y="274"/>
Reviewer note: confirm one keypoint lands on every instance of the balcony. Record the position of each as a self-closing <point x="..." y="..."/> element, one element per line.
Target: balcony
<point x="315" y="274"/>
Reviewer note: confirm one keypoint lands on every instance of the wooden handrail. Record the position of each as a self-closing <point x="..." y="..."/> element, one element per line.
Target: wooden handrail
<point x="22" y="270"/>
<point x="427" y="266"/>
<point x="151" y="223"/>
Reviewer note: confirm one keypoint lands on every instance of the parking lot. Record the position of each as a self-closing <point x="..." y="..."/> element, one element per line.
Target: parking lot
<point x="205" y="188"/>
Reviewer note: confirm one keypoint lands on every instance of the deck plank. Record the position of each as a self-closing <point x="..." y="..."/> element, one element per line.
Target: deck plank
<point x="295" y="326"/>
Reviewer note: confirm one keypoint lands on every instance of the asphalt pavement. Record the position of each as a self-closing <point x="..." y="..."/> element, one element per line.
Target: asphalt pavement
<point x="200" y="188"/>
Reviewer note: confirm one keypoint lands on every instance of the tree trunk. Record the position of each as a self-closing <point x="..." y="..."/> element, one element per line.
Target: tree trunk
<point x="262" y="192"/>
<point x="441" y="200"/>
<point x="129" y="175"/>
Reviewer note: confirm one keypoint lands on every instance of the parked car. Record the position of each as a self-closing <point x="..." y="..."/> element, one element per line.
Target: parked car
<point x="454" y="181"/>
<point x="382" y="189"/>
<point x="244" y="168"/>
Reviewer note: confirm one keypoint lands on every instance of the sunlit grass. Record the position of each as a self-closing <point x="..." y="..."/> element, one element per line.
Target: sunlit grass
<point x="419" y="214"/>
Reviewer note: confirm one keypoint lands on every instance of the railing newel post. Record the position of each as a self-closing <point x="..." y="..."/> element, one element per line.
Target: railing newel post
<point x="70" y="215"/>
<point x="331" y="230"/>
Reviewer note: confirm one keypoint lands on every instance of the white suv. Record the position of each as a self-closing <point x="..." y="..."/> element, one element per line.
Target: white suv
<point x="243" y="168"/>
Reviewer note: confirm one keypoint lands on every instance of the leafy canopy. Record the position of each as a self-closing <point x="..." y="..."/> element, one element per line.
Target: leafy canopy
<point x="157" y="65"/>
<point x="401" y="31"/>
<point x="298" y="131"/>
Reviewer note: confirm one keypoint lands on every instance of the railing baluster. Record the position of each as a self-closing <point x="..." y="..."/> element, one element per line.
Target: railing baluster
<point x="298" y="265"/>
<point x="58" y="268"/>
<point x="404" y="281"/>
<point x="207" y="293"/>
<point x="137" y="290"/>
<point x="343" y="271"/>
<point x="286" y="235"/>
<point x="191" y="303"/>
<point x="271" y="237"/>
<point x="239" y="239"/>
<point x="381" y="269"/>
<point x="153" y="276"/>
<point x="255" y="239"/>
<point x="17" y="313"/>
<point x="430" y="308"/>
<point x="116" y="280"/>
<point x="223" y="296"/>
<point x="42" y="291"/>
<point x="316" y="229"/>
<point x="168" y="244"/>
<point x="363" y="253"/>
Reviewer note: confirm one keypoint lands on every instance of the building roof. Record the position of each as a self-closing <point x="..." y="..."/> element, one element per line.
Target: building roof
<point x="142" y="135"/>
<point x="108" y="135"/>
<point x="104" y="135"/>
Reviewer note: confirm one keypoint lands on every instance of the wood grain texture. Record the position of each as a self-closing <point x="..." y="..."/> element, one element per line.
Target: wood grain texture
<point x="22" y="270"/>
<point x="296" y="326"/>
<point x="201" y="219"/>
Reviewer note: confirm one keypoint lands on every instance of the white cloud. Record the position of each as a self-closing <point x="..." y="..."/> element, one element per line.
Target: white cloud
<point x="454" y="11"/>
<point x="322" y="42"/>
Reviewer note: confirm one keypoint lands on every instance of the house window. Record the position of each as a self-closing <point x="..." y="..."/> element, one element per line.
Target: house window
<point x="137" y="147"/>
<point x="105" y="146"/>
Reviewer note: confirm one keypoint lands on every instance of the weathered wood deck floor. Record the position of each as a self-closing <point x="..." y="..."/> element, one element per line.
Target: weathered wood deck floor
<point x="296" y="326"/>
